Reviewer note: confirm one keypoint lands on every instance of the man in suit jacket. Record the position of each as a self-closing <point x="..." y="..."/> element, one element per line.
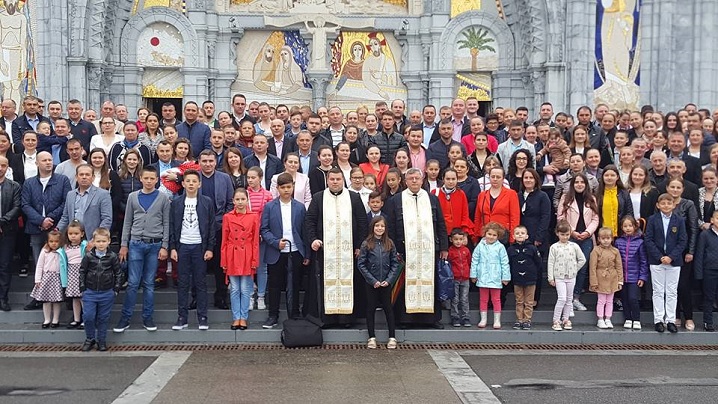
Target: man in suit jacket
<point x="677" y="150"/>
<point x="80" y="128"/>
<point x="269" y="163"/>
<point x="186" y="220"/>
<point x="10" y="209"/>
<point x="217" y="186"/>
<point x="282" y="230"/>
<point x="280" y="143"/>
<point x="8" y="114"/>
<point x="165" y="161"/>
<point x="91" y="205"/>
<point x="665" y="241"/>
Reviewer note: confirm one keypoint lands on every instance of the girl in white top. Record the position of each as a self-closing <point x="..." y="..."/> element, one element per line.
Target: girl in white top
<point x="357" y="185"/>
<point x="302" y="191"/>
<point x="564" y="260"/>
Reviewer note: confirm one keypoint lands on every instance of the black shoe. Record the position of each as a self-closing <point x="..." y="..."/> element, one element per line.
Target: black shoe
<point x="22" y="272"/>
<point x="618" y="305"/>
<point x="102" y="346"/>
<point x="33" y="305"/>
<point x="73" y="325"/>
<point x="708" y="327"/>
<point x="270" y="323"/>
<point x="437" y="326"/>
<point x="87" y="346"/>
<point x="54" y="325"/>
<point x="660" y="327"/>
<point x="45" y="326"/>
<point x="5" y="306"/>
<point x="193" y="304"/>
<point x="672" y="328"/>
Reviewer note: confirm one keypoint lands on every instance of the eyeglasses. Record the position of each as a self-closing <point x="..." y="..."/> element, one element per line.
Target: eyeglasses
<point x="107" y="123"/>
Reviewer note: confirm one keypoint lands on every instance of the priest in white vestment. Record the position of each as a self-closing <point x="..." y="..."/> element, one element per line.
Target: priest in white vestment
<point x="335" y="226"/>
<point x="416" y="225"/>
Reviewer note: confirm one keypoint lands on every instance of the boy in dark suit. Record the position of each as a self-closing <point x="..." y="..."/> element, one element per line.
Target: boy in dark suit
<point x="282" y="232"/>
<point x="665" y="241"/>
<point x="375" y="205"/>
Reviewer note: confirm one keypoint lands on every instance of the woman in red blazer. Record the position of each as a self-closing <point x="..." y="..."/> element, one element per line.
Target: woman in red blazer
<point x="240" y="255"/>
<point x="497" y="204"/>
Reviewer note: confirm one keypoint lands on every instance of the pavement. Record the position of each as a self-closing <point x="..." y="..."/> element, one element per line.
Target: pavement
<point x="336" y="375"/>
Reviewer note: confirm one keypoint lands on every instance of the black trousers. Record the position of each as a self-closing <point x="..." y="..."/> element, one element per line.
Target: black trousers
<point x="220" y="291"/>
<point x="7" y="248"/>
<point x="685" y="292"/>
<point x="710" y="293"/>
<point x="379" y="297"/>
<point x="280" y="276"/>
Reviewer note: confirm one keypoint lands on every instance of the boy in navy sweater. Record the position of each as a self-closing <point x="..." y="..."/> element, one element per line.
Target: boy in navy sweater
<point x="525" y="263"/>
<point x="665" y="241"/>
<point x="705" y="267"/>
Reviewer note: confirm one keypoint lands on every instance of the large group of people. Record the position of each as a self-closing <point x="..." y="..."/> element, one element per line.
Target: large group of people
<point x="359" y="209"/>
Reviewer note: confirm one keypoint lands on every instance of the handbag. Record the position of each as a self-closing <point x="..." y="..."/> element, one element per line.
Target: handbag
<point x="446" y="280"/>
<point x="302" y="332"/>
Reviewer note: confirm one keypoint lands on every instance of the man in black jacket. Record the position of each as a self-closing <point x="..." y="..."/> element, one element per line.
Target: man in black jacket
<point x="10" y="209"/>
<point x="27" y="121"/>
<point x="387" y="140"/>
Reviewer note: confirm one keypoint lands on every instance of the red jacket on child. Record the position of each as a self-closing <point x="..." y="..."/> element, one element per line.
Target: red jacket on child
<point x="460" y="260"/>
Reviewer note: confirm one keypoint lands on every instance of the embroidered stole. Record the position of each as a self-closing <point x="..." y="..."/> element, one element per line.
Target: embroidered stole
<point x="419" y="245"/>
<point x="338" y="253"/>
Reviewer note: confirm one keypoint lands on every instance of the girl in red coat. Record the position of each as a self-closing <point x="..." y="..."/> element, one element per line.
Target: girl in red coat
<point x="240" y="255"/>
<point x="454" y="204"/>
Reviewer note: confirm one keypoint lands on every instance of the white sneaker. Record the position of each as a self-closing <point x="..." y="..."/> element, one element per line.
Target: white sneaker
<point x="252" y="301"/>
<point x="260" y="304"/>
<point x="628" y="324"/>
<point x="557" y="326"/>
<point x="391" y="344"/>
<point x="601" y="324"/>
<point x="636" y="325"/>
<point x="577" y="305"/>
<point x="371" y="344"/>
<point x="608" y="323"/>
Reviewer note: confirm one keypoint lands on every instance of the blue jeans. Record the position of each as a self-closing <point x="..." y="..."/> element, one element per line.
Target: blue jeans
<point x="191" y="266"/>
<point x="96" y="308"/>
<point x="141" y="267"/>
<point x="240" y="291"/>
<point x="586" y="247"/>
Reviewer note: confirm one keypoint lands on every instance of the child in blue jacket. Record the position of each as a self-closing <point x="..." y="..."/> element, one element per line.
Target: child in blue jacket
<point x="490" y="271"/>
<point x="635" y="270"/>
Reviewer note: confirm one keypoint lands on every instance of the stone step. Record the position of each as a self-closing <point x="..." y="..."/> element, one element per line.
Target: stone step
<point x="168" y="314"/>
<point x="255" y="334"/>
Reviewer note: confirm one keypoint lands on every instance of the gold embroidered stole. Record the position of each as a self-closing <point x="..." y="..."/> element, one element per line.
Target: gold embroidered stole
<point x="338" y="253"/>
<point x="419" y="245"/>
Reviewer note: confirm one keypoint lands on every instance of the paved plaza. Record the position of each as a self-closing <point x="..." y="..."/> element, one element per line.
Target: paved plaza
<point x="359" y="376"/>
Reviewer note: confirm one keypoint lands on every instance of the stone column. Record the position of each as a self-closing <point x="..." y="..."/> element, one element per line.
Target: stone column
<point x="319" y="82"/>
<point x="126" y="88"/>
<point x="195" y="84"/>
<point x="415" y="91"/>
<point x="509" y="88"/>
<point x="94" y="79"/>
<point x="580" y="35"/>
<point x="78" y="79"/>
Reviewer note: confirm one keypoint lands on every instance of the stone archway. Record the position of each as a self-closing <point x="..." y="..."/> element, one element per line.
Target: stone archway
<point x="504" y="38"/>
<point x="129" y="73"/>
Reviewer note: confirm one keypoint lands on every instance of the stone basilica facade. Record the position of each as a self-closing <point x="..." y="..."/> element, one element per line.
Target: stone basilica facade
<point x="349" y="52"/>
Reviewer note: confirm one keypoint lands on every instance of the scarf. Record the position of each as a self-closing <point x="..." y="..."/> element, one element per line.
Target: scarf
<point x="447" y="192"/>
<point x="609" y="210"/>
<point x="130" y="145"/>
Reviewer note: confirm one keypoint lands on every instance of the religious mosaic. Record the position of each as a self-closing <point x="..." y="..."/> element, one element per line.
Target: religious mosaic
<point x="618" y="44"/>
<point x="366" y="69"/>
<point x="462" y="6"/>
<point x="178" y="5"/>
<point x="17" y="49"/>
<point x="476" y="50"/>
<point x="271" y="67"/>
